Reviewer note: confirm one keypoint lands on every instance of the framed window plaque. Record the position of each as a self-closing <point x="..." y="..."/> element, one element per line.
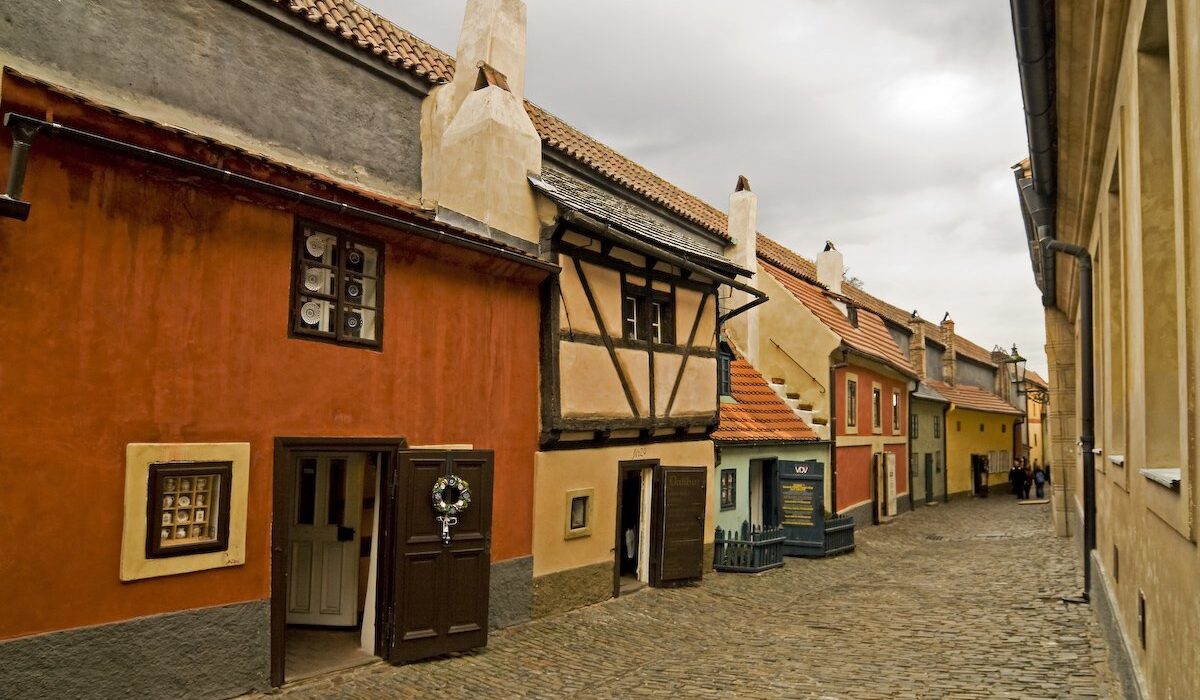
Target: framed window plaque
<point x="188" y="508"/>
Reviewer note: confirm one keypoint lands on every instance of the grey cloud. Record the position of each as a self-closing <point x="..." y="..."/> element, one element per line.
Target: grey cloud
<point x="885" y="125"/>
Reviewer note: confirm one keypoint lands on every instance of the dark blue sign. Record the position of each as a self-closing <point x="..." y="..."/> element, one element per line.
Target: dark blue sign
<point x="802" y="507"/>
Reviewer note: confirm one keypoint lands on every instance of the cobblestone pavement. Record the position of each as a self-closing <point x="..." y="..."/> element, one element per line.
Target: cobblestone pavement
<point x="960" y="600"/>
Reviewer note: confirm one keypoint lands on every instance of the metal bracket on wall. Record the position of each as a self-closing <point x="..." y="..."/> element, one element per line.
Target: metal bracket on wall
<point x="11" y="205"/>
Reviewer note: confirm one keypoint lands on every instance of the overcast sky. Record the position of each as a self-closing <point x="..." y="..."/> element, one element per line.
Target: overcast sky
<point x="886" y="126"/>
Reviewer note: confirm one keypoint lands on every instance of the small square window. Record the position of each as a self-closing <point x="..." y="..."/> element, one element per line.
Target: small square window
<point x="337" y="292"/>
<point x="728" y="489"/>
<point x="188" y="508"/>
<point x="981" y="427"/>
<point x="578" y="521"/>
<point x="1004" y="427"/>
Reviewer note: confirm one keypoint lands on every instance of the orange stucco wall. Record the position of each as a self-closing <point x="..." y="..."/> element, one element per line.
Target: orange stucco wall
<point x="139" y="308"/>
<point x="853" y="475"/>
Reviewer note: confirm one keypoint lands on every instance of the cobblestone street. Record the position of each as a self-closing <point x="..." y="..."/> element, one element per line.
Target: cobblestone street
<point x="953" y="601"/>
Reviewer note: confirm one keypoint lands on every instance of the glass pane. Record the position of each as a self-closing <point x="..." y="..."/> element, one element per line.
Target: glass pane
<point x="360" y="290"/>
<point x="631" y="317"/>
<point x="578" y="512"/>
<point x="317" y="280"/>
<point x="656" y="330"/>
<point x="316" y="314"/>
<point x="359" y="323"/>
<point x="320" y="247"/>
<point x="337" y="492"/>
<point x="306" y="492"/>
<point x="362" y="259"/>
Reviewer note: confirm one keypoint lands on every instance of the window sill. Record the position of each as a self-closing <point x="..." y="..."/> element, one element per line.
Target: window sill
<point x="1118" y="460"/>
<point x="1167" y="478"/>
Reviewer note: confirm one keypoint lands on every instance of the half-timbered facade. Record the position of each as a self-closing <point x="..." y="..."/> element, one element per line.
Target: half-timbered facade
<point x="629" y="395"/>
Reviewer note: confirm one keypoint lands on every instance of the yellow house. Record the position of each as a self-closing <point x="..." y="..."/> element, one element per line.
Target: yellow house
<point x="1111" y="200"/>
<point x="980" y="431"/>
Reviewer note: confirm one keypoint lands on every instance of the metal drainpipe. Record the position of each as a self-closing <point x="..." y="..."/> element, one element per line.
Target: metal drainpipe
<point x="1087" y="437"/>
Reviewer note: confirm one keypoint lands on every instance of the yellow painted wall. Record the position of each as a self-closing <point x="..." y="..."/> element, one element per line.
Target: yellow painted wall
<point x="686" y="302"/>
<point x="590" y="385"/>
<point x="969" y="440"/>
<point x="786" y="323"/>
<point x="557" y="472"/>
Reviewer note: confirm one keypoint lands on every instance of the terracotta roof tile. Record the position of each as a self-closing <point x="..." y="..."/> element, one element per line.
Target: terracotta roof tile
<point x="759" y="414"/>
<point x="372" y="32"/>
<point x="973" y="398"/>
<point x="1035" y="378"/>
<point x="870" y="337"/>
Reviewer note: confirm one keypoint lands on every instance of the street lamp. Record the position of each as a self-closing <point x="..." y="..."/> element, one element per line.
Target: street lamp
<point x="1034" y="394"/>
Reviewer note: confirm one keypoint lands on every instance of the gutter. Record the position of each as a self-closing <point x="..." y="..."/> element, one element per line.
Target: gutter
<point x="1035" y="60"/>
<point x="681" y="260"/>
<point x="1087" y="400"/>
<point x="25" y="127"/>
<point x="833" y="423"/>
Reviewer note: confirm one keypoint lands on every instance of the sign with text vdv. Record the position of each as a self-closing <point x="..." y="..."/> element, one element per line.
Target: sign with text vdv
<point x="802" y="507"/>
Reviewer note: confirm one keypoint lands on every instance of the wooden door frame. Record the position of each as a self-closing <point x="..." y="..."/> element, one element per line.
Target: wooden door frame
<point x="286" y="450"/>
<point x="622" y="469"/>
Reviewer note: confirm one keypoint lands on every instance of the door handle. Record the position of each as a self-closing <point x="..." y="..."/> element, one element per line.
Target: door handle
<point x="345" y="534"/>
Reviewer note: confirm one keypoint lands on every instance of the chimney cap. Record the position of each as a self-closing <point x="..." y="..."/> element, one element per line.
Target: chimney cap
<point x="915" y="316"/>
<point x="829" y="246"/>
<point x="743" y="184"/>
<point x="947" y="318"/>
<point x="490" y="77"/>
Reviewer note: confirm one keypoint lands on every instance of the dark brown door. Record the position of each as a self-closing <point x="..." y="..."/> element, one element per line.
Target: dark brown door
<point x="440" y="591"/>
<point x="679" y="498"/>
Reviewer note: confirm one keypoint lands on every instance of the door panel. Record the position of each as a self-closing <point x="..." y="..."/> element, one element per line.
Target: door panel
<point x="929" y="478"/>
<point x="323" y="566"/>
<point x="680" y="494"/>
<point x="440" y="592"/>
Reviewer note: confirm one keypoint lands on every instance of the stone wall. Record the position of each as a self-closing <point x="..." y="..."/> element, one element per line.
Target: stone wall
<point x="1062" y="452"/>
<point x="574" y="588"/>
<point x="208" y="653"/>
<point x="511" y="593"/>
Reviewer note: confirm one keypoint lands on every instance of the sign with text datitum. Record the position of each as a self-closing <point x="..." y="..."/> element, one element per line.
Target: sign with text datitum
<point x="802" y="507"/>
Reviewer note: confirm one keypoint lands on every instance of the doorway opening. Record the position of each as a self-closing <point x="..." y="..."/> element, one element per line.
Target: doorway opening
<point x="764" y="493"/>
<point x="634" y="501"/>
<point x="979" y="475"/>
<point x="331" y="561"/>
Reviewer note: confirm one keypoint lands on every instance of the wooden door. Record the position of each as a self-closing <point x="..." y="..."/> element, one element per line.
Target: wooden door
<point x="324" y="540"/>
<point x="439" y="596"/>
<point x="679" y="499"/>
<point x="929" y="478"/>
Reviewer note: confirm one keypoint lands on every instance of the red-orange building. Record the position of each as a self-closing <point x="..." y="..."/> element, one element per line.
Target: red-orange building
<point x="216" y="369"/>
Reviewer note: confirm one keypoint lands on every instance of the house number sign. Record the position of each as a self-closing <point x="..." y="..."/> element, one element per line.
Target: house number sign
<point x="451" y="496"/>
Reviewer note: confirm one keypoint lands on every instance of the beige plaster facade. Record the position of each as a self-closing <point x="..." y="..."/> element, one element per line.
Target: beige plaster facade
<point x="1128" y="190"/>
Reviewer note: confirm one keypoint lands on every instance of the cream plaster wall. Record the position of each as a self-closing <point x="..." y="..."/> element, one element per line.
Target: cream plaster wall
<point x="590" y="386"/>
<point x="698" y="390"/>
<point x="605" y="284"/>
<point x="686" y="302"/>
<point x="1129" y="143"/>
<point x="557" y="472"/>
<point x="786" y="325"/>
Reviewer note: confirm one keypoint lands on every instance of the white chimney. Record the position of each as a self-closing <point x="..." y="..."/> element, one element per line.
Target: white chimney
<point x="479" y="145"/>
<point x="830" y="268"/>
<point x="743" y="229"/>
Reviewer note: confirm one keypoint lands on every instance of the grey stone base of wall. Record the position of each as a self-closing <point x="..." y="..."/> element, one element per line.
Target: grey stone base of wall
<point x="566" y="590"/>
<point x="709" y="552"/>
<point x="510" y="598"/>
<point x="209" y="653"/>
<point x="1120" y="657"/>
<point x="863" y="515"/>
<point x="902" y="505"/>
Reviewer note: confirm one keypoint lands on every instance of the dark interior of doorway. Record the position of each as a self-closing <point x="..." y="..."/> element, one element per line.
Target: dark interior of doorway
<point x="630" y="531"/>
<point x="770" y="494"/>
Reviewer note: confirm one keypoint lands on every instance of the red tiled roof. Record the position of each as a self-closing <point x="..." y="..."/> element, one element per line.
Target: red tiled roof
<point x="759" y="414"/>
<point x="379" y="36"/>
<point x="870" y="337"/>
<point x="1035" y="378"/>
<point x="973" y="398"/>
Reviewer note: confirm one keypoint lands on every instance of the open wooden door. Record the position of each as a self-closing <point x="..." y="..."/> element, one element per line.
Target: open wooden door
<point x="439" y="590"/>
<point x="680" y="499"/>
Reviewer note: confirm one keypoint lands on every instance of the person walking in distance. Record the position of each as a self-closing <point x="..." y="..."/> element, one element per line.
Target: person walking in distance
<point x="1039" y="480"/>
<point x="1020" y="488"/>
<point x="1027" y="475"/>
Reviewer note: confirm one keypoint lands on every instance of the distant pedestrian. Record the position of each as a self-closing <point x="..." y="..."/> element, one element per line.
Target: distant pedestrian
<point x="1045" y="470"/>
<point x="1020" y="485"/>
<point x="1026" y="481"/>
<point x="1039" y="480"/>
<point x="1013" y="475"/>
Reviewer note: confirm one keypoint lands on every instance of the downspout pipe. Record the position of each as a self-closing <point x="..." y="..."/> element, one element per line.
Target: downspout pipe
<point x="1087" y="378"/>
<point x="833" y="430"/>
<point x="21" y="124"/>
